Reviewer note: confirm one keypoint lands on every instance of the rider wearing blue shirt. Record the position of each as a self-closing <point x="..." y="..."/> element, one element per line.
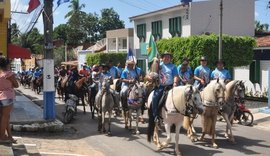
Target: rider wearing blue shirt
<point x="37" y="73"/>
<point x="202" y="74"/>
<point x="168" y="78"/>
<point x="119" y="69"/>
<point x="220" y="72"/>
<point x="113" y="70"/>
<point x="184" y="72"/>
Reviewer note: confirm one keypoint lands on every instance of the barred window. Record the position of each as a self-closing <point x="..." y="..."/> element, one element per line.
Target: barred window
<point x="141" y="32"/>
<point x="175" y="26"/>
<point x="157" y="30"/>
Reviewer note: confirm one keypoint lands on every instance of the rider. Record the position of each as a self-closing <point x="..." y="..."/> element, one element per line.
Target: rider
<point x="128" y="76"/>
<point x="84" y="72"/>
<point x="220" y="72"/>
<point x="119" y="69"/>
<point x="185" y="72"/>
<point x="202" y="74"/>
<point x="113" y="70"/>
<point x="168" y="79"/>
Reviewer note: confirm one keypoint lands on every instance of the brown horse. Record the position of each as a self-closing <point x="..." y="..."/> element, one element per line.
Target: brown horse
<point x="37" y="84"/>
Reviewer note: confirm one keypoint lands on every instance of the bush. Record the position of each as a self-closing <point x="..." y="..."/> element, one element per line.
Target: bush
<point x="100" y="58"/>
<point x="237" y="51"/>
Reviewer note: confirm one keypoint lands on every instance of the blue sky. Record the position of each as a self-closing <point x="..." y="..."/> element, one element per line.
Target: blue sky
<point x="125" y="8"/>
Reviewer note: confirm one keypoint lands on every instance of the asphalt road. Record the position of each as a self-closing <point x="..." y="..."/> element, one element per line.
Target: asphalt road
<point x="250" y="140"/>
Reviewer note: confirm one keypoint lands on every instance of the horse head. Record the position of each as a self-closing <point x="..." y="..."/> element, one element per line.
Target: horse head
<point x="155" y="66"/>
<point x="219" y="91"/>
<point x="194" y="100"/>
<point x="239" y="90"/>
<point x="136" y="94"/>
<point x="105" y="85"/>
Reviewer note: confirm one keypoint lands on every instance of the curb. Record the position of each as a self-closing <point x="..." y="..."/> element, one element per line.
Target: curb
<point x="50" y="126"/>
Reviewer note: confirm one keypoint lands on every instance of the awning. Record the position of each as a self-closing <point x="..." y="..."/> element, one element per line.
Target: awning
<point x="15" y="51"/>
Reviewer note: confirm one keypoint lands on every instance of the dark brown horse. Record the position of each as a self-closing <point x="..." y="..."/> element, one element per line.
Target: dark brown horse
<point x="38" y="84"/>
<point x="91" y="94"/>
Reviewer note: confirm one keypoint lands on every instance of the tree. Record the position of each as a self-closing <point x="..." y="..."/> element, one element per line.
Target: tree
<point x="76" y="17"/>
<point x="109" y="20"/>
<point x="261" y="27"/>
<point x="61" y="32"/>
<point x="90" y="25"/>
<point x="15" y="33"/>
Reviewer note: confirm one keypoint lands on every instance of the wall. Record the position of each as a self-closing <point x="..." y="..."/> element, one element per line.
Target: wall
<point x="238" y="17"/>
<point x="165" y="25"/>
<point x="265" y="65"/>
<point x="5" y="11"/>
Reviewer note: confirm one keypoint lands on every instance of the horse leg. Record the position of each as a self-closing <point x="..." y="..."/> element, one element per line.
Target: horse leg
<point x="177" y="129"/>
<point x="125" y="118"/>
<point x="214" y="132"/>
<point x="103" y="122"/>
<point x="130" y="118"/>
<point x="137" y="120"/>
<point x="168" y="132"/>
<point x="159" y="146"/>
<point x="83" y="102"/>
<point x="109" y="123"/>
<point x="228" y="128"/>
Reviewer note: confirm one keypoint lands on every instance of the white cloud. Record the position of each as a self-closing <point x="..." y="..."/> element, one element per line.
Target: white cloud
<point x="256" y="14"/>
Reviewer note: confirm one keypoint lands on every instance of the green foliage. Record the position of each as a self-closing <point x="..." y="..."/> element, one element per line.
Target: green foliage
<point x="61" y="32"/>
<point x="59" y="55"/>
<point x="100" y="58"/>
<point x="109" y="20"/>
<point x="237" y="51"/>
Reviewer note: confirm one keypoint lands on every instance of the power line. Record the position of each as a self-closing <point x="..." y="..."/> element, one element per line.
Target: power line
<point x="133" y="5"/>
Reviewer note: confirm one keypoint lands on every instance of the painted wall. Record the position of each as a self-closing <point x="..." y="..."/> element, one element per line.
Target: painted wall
<point x="5" y="7"/>
<point x="264" y="74"/>
<point x="165" y="25"/>
<point x="238" y="17"/>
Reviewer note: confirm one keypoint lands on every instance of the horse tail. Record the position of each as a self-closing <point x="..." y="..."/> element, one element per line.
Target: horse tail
<point x="186" y="123"/>
<point x="151" y="124"/>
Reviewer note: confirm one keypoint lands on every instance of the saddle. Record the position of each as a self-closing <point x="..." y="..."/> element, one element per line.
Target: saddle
<point x="163" y="98"/>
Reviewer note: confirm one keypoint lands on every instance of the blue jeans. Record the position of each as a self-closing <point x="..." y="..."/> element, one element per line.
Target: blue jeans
<point x="158" y="92"/>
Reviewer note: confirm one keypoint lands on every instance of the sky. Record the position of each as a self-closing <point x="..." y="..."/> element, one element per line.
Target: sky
<point x="125" y="8"/>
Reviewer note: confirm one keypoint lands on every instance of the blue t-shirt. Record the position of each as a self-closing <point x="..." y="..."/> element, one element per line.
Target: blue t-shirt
<point x="222" y="74"/>
<point x="128" y="74"/>
<point x="37" y="74"/>
<point x="184" y="75"/>
<point x="203" y="73"/>
<point x="114" y="72"/>
<point x="167" y="73"/>
<point x="119" y="70"/>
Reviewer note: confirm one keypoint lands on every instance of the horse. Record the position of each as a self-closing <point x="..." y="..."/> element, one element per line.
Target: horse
<point x="37" y="84"/>
<point x="134" y="102"/>
<point x="105" y="104"/>
<point x="234" y="90"/>
<point x="181" y="101"/>
<point x="116" y="87"/>
<point x="61" y="85"/>
<point x="213" y="97"/>
<point x="92" y="92"/>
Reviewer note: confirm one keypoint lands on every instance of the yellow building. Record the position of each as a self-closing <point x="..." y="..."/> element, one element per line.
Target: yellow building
<point x="4" y="18"/>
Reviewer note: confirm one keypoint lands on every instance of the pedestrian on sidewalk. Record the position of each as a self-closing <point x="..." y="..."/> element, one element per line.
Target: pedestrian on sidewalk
<point x="7" y="94"/>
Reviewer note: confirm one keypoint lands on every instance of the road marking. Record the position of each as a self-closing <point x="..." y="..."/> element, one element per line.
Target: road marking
<point x="66" y="154"/>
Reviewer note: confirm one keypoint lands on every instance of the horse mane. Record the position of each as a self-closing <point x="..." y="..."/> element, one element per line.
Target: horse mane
<point x="155" y="65"/>
<point x="229" y="89"/>
<point x="208" y="93"/>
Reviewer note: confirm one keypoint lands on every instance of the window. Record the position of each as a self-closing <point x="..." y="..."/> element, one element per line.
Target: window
<point x="124" y="43"/>
<point x="157" y="30"/>
<point x="175" y="27"/>
<point x="254" y="71"/>
<point x="141" y="32"/>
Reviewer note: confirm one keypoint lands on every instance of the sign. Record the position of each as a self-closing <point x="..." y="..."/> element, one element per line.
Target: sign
<point x="48" y="75"/>
<point x="143" y="47"/>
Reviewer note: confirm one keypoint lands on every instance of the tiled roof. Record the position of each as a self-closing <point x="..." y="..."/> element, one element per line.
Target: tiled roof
<point x="263" y="41"/>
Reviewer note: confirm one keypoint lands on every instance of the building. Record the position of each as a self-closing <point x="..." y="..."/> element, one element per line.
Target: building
<point x="4" y="20"/>
<point x="193" y="18"/>
<point x="257" y="71"/>
<point x="119" y="40"/>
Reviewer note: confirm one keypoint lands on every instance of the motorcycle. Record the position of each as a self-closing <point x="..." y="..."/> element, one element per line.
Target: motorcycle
<point x="243" y="114"/>
<point x="71" y="108"/>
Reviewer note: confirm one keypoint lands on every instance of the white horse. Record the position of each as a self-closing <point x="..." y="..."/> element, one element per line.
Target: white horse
<point x="234" y="90"/>
<point x="134" y="102"/>
<point x="213" y="97"/>
<point x="106" y="104"/>
<point x="181" y="101"/>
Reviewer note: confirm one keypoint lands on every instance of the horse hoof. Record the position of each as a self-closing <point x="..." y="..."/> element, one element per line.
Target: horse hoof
<point x="109" y="134"/>
<point x="201" y="139"/>
<point x="226" y="136"/>
<point x="137" y="132"/>
<point x="126" y="127"/>
<point x="178" y="153"/>
<point x="215" y="146"/>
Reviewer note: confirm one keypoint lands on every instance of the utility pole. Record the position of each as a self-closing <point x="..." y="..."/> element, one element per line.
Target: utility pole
<point x="220" y="31"/>
<point x="48" y="63"/>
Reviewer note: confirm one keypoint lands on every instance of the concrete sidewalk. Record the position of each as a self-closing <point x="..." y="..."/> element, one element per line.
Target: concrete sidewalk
<point x="27" y="116"/>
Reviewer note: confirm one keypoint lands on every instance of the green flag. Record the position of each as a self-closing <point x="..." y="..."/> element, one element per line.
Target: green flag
<point x="152" y="49"/>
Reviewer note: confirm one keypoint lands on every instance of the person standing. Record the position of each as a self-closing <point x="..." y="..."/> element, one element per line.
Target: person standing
<point x="7" y="95"/>
<point x="202" y="74"/>
<point x="220" y="72"/>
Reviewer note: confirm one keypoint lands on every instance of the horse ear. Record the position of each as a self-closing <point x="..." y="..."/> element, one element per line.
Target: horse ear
<point x="191" y="89"/>
<point x="224" y="81"/>
<point x="217" y="80"/>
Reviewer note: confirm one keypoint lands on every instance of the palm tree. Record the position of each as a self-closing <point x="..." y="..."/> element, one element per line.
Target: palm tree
<point x="75" y="9"/>
<point x="261" y="27"/>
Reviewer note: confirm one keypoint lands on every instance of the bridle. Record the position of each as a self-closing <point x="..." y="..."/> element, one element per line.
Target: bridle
<point x="136" y="96"/>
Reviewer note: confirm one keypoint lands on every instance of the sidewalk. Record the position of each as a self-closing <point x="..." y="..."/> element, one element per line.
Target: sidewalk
<point x="27" y="116"/>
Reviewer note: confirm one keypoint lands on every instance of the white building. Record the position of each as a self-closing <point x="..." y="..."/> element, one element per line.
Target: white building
<point x="195" y="18"/>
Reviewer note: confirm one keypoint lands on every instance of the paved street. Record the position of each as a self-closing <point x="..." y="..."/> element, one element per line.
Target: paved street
<point x="82" y="138"/>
